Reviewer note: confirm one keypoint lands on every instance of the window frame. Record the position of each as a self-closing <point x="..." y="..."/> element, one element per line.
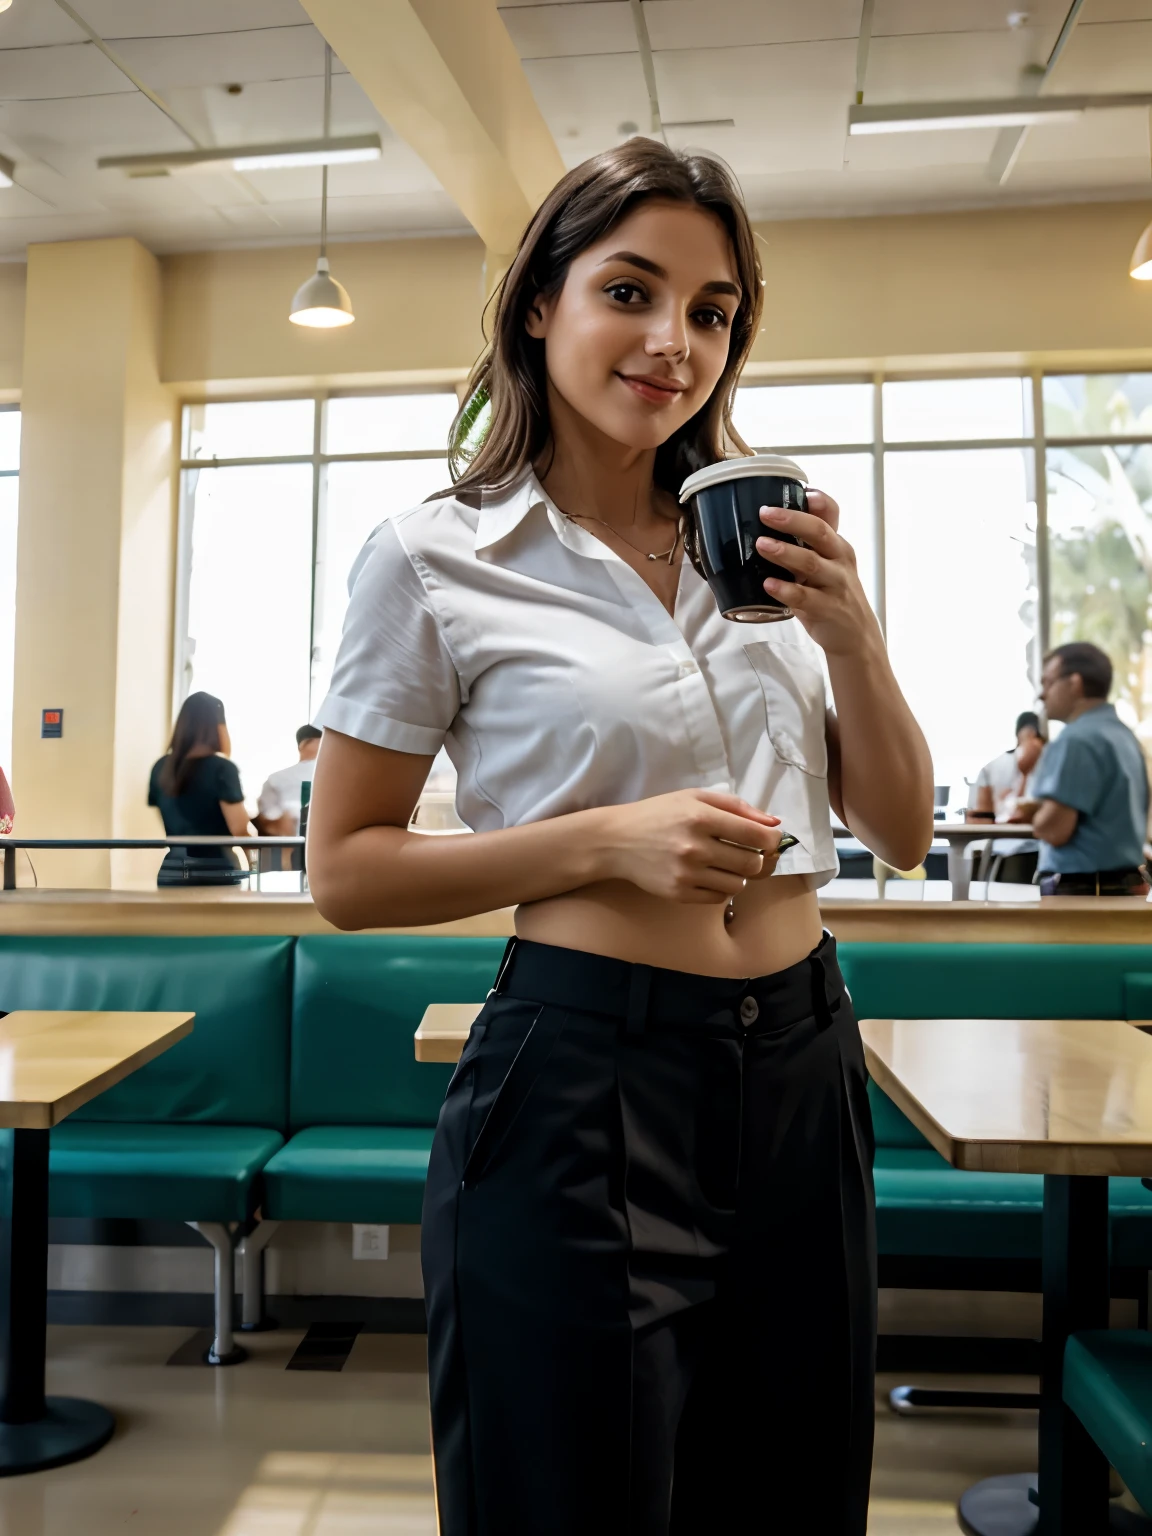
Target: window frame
<point x="1037" y="443"/>
<point x="319" y="460"/>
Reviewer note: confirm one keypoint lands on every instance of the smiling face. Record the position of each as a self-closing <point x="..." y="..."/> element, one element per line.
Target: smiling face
<point x="638" y="336"/>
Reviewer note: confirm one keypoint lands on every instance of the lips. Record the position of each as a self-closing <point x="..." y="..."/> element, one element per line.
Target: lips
<point x="656" y="390"/>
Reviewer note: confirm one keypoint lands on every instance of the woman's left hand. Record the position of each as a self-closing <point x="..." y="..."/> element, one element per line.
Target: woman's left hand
<point x="826" y="595"/>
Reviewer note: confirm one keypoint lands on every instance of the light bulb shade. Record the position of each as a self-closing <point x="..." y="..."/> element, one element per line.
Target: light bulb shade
<point x="321" y="302"/>
<point x="1140" y="267"/>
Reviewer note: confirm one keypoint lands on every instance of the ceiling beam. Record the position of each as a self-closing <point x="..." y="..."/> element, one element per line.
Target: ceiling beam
<point x="1010" y="141"/>
<point x="445" y="76"/>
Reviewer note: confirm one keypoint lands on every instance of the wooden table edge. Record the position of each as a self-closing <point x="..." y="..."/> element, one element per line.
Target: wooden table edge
<point x="991" y="1155"/>
<point x="21" y="1116"/>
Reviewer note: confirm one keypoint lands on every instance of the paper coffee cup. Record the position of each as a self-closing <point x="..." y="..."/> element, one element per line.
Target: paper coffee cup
<point x="724" y="503"/>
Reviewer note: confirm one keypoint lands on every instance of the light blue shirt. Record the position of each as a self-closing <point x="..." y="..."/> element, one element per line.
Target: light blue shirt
<point x="1095" y="766"/>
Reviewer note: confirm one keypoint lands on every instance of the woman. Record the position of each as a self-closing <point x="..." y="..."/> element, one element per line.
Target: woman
<point x="648" y="1252"/>
<point x="197" y="792"/>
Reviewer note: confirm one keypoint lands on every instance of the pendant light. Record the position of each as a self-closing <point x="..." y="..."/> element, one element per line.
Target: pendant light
<point x="322" y="302"/>
<point x="1140" y="267"/>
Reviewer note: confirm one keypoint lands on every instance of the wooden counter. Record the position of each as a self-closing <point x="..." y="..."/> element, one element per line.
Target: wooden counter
<point x="173" y="913"/>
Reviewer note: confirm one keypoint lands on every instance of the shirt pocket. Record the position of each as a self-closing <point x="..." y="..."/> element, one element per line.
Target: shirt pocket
<point x="794" y="704"/>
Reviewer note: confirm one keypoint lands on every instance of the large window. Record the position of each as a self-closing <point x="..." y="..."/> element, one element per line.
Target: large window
<point x="986" y="528"/>
<point x="1099" y="483"/>
<point x="9" y="491"/>
<point x="278" y="497"/>
<point x="936" y="483"/>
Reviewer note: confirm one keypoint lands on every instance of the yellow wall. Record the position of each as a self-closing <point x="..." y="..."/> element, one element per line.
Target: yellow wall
<point x="417" y="305"/>
<point x="94" y="558"/>
<point x="1007" y="285"/>
<point x="991" y="288"/>
<point x="13" y="283"/>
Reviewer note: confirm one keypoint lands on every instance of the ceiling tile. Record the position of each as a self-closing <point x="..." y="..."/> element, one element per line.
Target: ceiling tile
<point x="947" y="67"/>
<point x="799" y="123"/>
<point x="72" y="69"/>
<point x="708" y="24"/>
<point x="894" y="17"/>
<point x="1116" y="10"/>
<point x="1117" y="57"/>
<point x="180" y="18"/>
<point x="1098" y="136"/>
<point x="70" y="134"/>
<point x="284" y="53"/>
<point x="35" y="24"/>
<point x="552" y="31"/>
<point x="585" y="99"/>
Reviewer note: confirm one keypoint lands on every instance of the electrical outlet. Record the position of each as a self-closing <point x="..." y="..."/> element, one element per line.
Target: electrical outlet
<point x="369" y="1242"/>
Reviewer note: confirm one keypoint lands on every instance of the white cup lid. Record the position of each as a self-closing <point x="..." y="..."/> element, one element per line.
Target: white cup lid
<point x="742" y="468"/>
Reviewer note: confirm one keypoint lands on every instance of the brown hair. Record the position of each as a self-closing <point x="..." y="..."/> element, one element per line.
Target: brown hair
<point x="503" y="425"/>
<point x="1089" y="662"/>
<point x="196" y="734"/>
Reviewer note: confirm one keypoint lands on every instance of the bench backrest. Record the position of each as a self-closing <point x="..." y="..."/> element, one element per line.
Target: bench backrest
<point x="356" y="1003"/>
<point x="231" y="1070"/>
<point x="990" y="981"/>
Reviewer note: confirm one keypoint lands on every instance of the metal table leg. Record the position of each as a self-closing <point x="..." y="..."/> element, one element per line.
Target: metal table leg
<point x="35" y="1431"/>
<point x="1072" y="1496"/>
<point x="958" y="871"/>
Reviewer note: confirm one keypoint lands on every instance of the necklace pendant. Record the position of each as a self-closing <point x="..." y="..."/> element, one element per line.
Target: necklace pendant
<point x="653" y="557"/>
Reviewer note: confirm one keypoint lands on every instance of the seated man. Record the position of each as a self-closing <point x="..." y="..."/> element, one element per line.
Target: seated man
<point x="278" y="809"/>
<point x="1091" y="787"/>
<point x="1001" y="787"/>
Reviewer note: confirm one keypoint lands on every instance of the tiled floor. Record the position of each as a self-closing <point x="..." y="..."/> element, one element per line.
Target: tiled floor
<point x="257" y="1450"/>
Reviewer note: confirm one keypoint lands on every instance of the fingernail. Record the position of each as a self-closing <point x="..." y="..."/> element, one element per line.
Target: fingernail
<point x="763" y="543"/>
<point x="774" y="514"/>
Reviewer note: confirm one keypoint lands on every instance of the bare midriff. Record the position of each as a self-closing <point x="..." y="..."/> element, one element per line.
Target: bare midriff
<point x="774" y="923"/>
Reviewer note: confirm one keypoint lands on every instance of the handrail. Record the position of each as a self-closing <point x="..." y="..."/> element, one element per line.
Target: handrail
<point x="223" y="840"/>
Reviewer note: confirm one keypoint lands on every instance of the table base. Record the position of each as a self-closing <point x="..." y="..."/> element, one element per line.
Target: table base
<point x="1003" y="1506"/>
<point x="70" y="1430"/>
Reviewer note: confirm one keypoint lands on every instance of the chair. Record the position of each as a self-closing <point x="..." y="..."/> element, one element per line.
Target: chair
<point x="882" y="873"/>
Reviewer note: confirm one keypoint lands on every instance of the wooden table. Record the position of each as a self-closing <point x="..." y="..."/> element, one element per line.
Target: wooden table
<point x="1070" y="1099"/>
<point x="50" y="1064"/>
<point x="443" y="1030"/>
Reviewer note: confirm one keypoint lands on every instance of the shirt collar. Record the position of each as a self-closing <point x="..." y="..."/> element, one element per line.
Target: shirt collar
<point x="502" y="511"/>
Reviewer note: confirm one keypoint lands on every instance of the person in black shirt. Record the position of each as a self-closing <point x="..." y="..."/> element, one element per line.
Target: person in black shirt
<point x="196" y="789"/>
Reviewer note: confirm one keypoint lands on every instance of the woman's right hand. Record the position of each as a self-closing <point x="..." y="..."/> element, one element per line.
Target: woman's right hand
<point x="681" y="845"/>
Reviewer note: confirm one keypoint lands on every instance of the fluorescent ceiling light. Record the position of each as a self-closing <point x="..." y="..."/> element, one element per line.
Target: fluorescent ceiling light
<point x="1003" y="112"/>
<point x="269" y="161"/>
<point x="251" y="157"/>
<point x="7" y="167"/>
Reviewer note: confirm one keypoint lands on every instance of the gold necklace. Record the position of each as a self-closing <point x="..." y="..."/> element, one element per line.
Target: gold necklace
<point x="659" y="555"/>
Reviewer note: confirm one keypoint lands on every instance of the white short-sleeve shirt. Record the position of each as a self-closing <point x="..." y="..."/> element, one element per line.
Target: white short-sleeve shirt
<point x="557" y="680"/>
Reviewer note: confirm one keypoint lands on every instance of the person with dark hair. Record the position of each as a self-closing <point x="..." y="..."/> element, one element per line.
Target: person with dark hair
<point x="1091" y="786"/>
<point x="196" y="788"/>
<point x="278" y="808"/>
<point x="1001" y="787"/>
<point x="648" y="1239"/>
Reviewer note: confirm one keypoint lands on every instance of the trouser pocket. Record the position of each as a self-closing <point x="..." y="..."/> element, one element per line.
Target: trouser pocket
<point x="529" y="1061"/>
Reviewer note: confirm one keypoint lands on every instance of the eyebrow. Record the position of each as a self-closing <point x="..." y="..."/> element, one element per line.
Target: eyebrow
<point x="645" y="265"/>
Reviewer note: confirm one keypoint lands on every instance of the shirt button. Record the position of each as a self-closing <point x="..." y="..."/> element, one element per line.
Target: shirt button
<point x="688" y="669"/>
<point x="749" y="1011"/>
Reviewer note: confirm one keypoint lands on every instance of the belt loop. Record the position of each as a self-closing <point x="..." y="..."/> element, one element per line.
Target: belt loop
<point x="639" y="987"/>
<point x="505" y="962"/>
<point x="825" y="990"/>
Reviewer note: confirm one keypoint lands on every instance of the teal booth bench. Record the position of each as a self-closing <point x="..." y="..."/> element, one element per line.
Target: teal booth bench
<point x="298" y="1097"/>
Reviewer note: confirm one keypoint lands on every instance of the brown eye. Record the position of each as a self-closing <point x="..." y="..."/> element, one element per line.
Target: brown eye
<point x="712" y="319"/>
<point x="624" y="293"/>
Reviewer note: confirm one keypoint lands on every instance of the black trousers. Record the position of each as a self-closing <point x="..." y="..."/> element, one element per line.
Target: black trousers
<point x="649" y="1255"/>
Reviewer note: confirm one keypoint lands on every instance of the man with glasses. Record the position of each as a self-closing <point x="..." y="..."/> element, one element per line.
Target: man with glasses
<point x="1091" y="785"/>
